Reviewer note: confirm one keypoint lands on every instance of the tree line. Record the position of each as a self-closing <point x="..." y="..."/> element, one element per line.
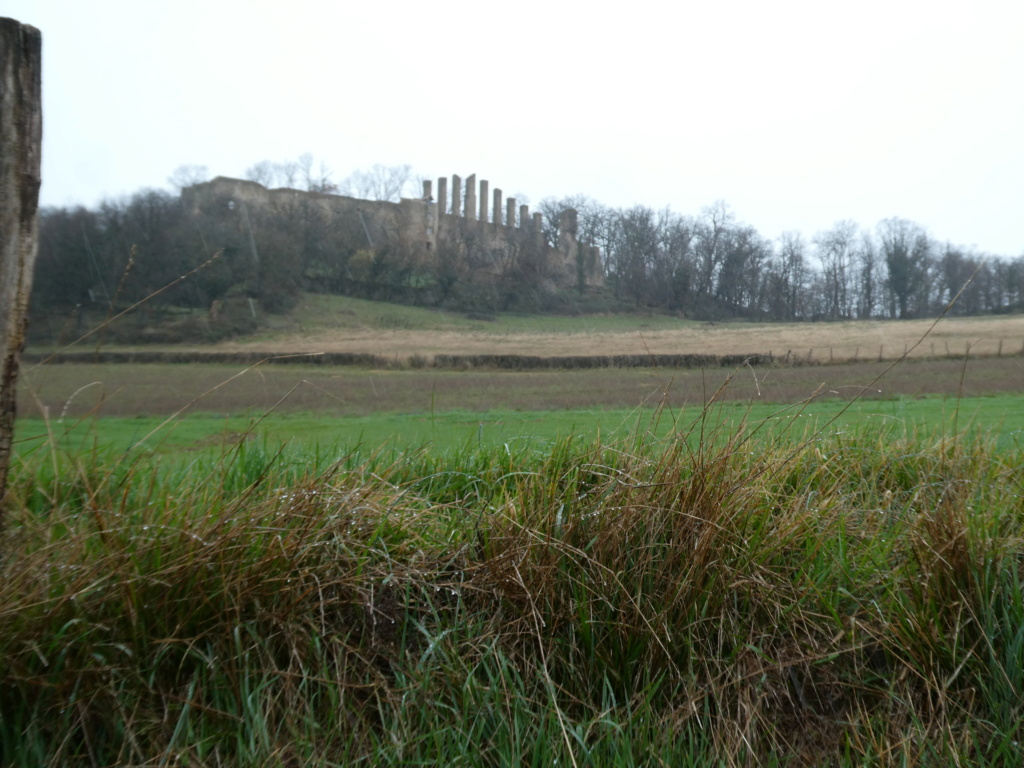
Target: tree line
<point x="94" y="262"/>
<point x="713" y="266"/>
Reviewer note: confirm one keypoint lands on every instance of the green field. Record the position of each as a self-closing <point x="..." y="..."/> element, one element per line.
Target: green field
<point x="1000" y="418"/>
<point x="181" y="409"/>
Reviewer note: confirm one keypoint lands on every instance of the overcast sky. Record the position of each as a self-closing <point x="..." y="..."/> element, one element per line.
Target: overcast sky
<point x="797" y="113"/>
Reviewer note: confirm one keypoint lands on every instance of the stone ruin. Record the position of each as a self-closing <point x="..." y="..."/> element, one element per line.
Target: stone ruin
<point x="472" y="222"/>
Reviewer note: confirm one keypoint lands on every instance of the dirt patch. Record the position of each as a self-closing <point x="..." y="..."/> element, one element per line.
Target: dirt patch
<point x="160" y="390"/>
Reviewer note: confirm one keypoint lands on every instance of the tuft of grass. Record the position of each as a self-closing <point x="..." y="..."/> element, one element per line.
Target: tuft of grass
<point x="709" y="593"/>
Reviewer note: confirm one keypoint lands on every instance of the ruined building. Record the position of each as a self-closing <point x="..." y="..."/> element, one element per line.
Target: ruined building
<point x="467" y="226"/>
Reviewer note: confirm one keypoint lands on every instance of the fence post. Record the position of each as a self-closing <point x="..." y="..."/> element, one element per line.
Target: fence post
<point x="21" y="131"/>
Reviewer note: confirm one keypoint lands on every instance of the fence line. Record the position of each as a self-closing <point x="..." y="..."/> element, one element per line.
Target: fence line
<point x="504" y="362"/>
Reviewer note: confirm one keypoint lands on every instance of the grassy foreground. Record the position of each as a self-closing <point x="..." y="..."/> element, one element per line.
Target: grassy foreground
<point x="854" y="599"/>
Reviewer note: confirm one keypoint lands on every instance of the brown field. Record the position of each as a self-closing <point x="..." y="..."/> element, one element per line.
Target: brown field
<point x="936" y="366"/>
<point x="856" y="340"/>
<point x="163" y="389"/>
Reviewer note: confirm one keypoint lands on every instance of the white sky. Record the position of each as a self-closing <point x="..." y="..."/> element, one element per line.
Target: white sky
<point x="797" y="113"/>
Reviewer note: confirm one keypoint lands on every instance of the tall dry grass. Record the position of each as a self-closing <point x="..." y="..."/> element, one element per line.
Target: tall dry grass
<point x="864" y="340"/>
<point x="732" y="599"/>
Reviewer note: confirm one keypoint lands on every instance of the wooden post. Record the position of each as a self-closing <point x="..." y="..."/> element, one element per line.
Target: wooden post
<point x="21" y="133"/>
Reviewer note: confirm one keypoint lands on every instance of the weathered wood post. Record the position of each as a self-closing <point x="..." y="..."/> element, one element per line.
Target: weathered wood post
<point x="21" y="132"/>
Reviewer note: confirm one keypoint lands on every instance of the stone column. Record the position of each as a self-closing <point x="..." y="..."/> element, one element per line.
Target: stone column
<point x="456" y="196"/>
<point x="594" y="273"/>
<point x="524" y="216"/>
<point x="538" y="229"/>
<point x="567" y="223"/>
<point x="497" y="207"/>
<point x="567" y="246"/>
<point x="510" y="212"/>
<point x="442" y="195"/>
<point x="484" y="188"/>
<point x="431" y="209"/>
<point x="471" y="197"/>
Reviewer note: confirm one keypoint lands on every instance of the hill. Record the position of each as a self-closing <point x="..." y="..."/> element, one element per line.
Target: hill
<point x="336" y="324"/>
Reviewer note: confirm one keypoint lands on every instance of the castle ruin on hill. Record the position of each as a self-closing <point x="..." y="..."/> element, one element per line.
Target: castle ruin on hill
<point x="467" y="225"/>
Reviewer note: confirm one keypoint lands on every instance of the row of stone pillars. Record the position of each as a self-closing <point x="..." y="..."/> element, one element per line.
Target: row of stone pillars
<point x="472" y="209"/>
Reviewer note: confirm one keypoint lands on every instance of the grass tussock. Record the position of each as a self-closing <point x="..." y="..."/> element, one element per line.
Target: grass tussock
<point x="854" y="600"/>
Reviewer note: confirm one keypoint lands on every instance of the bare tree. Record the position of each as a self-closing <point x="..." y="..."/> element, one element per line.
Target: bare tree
<point x="320" y="180"/>
<point x="188" y="175"/>
<point x="715" y="220"/>
<point x="304" y="172"/>
<point x="263" y="172"/>
<point x="287" y="173"/>
<point x="1011" y="275"/>
<point x="635" y="250"/>
<point x="786" y="288"/>
<point x="551" y="209"/>
<point x="673" y="270"/>
<point x="305" y="163"/>
<point x="835" y="250"/>
<point x="906" y="249"/>
<point x="743" y="256"/>
<point x="378" y="183"/>
<point x="956" y="268"/>
<point x="592" y="218"/>
<point x="868" y="270"/>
